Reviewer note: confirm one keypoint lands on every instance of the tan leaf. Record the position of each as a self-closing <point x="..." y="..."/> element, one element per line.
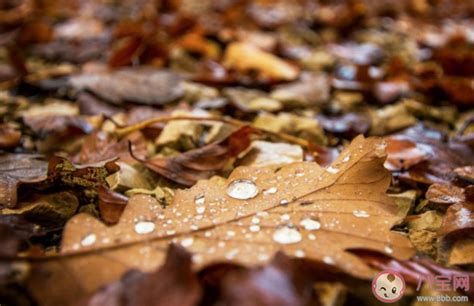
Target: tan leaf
<point x="300" y="208"/>
<point x="245" y="57"/>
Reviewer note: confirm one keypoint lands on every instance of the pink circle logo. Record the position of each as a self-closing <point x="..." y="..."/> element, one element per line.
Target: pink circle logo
<point x="388" y="286"/>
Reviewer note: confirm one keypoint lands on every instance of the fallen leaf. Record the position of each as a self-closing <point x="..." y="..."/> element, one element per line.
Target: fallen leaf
<point x="16" y="169"/>
<point x="100" y="146"/>
<point x="298" y="209"/>
<point x="445" y="194"/>
<point x="198" y="164"/>
<point x="111" y="204"/>
<point x="172" y="284"/>
<point x="245" y="57"/>
<point x="9" y="137"/>
<point x="426" y="155"/>
<point x="263" y="154"/>
<point x="140" y="85"/>
<point x="459" y="217"/>
<point x="47" y="210"/>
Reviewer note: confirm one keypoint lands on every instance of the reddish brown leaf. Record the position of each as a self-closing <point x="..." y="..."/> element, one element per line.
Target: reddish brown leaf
<point x="202" y="163"/>
<point x="424" y="155"/>
<point x="445" y="194"/>
<point x="111" y="204"/>
<point x="16" y="169"/>
<point x="459" y="217"/>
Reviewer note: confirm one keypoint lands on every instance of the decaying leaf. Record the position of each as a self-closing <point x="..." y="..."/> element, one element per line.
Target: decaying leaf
<point x="140" y="85"/>
<point x="301" y="209"/>
<point x="16" y="169"/>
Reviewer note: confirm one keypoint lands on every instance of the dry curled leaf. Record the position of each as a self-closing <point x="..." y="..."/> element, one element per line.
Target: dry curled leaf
<point x="301" y="209"/>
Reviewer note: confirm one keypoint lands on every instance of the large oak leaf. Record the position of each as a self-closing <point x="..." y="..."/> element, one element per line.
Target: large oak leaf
<point x="301" y="208"/>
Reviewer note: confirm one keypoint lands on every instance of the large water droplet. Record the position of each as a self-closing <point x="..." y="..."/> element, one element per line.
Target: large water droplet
<point x="144" y="227"/>
<point x="242" y="189"/>
<point x="287" y="235"/>
<point x="332" y="169"/>
<point x="388" y="249"/>
<point x="310" y="224"/>
<point x="88" y="240"/>
<point x="200" y="209"/>
<point x="360" y="214"/>
<point x="284" y="202"/>
<point x="300" y="253"/>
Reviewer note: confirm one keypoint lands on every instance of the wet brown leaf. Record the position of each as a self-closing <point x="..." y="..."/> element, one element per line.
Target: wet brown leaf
<point x="244" y="219"/>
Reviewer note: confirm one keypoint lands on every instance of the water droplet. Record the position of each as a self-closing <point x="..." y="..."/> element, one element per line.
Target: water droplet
<point x="200" y="209"/>
<point x="254" y="228"/>
<point x="144" y="227"/>
<point x="270" y="190"/>
<point x="231" y="254"/>
<point x="230" y="233"/>
<point x="255" y="220"/>
<point x="360" y="214"/>
<point x="242" y="189"/>
<point x="263" y="257"/>
<point x="186" y="242"/>
<point x="310" y="224"/>
<point x="199" y="200"/>
<point x="328" y="260"/>
<point x="332" y="169"/>
<point x="346" y="158"/>
<point x="285" y="217"/>
<point x="311" y="237"/>
<point x="170" y="232"/>
<point x="388" y="249"/>
<point x="88" y="240"/>
<point x="284" y="202"/>
<point x="287" y="235"/>
<point x="300" y="253"/>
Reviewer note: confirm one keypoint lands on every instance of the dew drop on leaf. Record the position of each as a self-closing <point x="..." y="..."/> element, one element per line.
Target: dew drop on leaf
<point x="310" y="224"/>
<point x="332" y="169"/>
<point x="242" y="190"/>
<point x="360" y="214"/>
<point x="287" y="235"/>
<point x="187" y="242"/>
<point x="88" y="240"/>
<point x="144" y="227"/>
